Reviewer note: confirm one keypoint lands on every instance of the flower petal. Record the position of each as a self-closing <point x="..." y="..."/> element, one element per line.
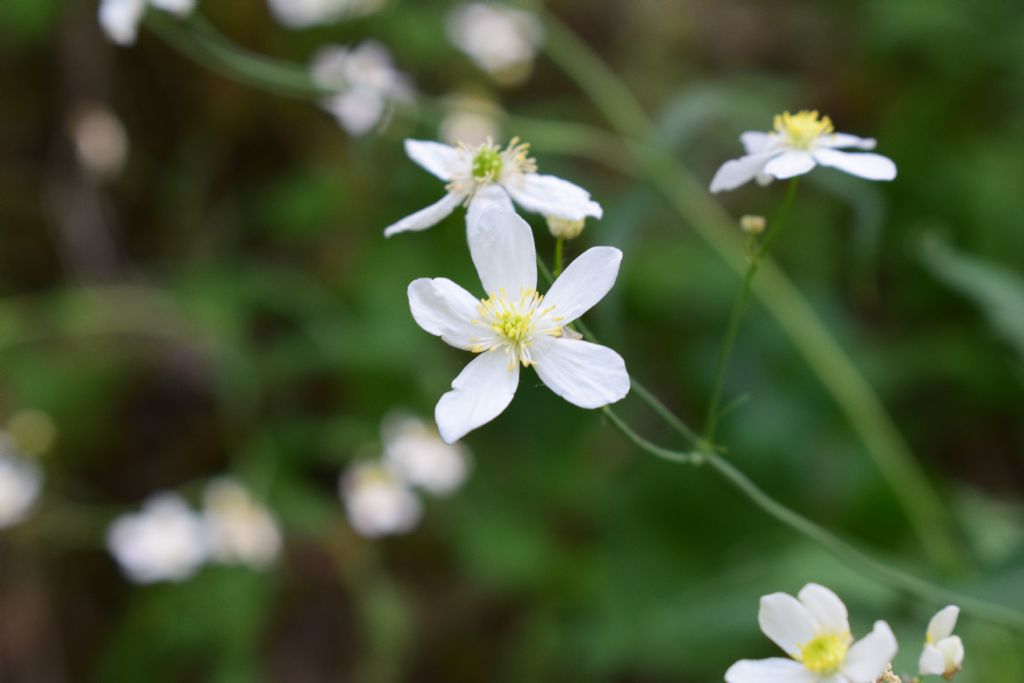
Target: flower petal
<point x="357" y="110"/>
<point x="120" y="19"/>
<point x="755" y="141"/>
<point x="942" y="624"/>
<point x="584" y="374"/>
<point x="435" y="157"/>
<point x="870" y="166"/>
<point x="551" y="196"/>
<point x="825" y="607"/>
<point x="584" y="283"/>
<point x="868" y="657"/>
<point x="931" y="662"/>
<point x="847" y="140"/>
<point x="446" y="310"/>
<point x="737" y="172"/>
<point x="952" y="650"/>
<point x="425" y="218"/>
<point x="482" y="390"/>
<point x="501" y="244"/>
<point x="774" y="670"/>
<point x="180" y="8"/>
<point x="789" y="164"/>
<point x="492" y="194"/>
<point x="786" y="621"/>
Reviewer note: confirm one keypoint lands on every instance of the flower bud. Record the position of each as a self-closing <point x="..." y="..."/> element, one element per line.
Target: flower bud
<point x="565" y="229"/>
<point x="753" y="225"/>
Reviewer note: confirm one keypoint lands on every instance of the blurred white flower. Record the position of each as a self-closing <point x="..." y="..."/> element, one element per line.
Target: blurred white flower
<point x="241" y="529"/>
<point x="517" y="326"/>
<point x="100" y="140"/>
<point x="414" y="451"/>
<point x="120" y="19"/>
<point x="470" y="171"/>
<point x="378" y="501"/>
<point x="943" y="653"/>
<point x="503" y="41"/>
<point x="814" y="631"/>
<point x="165" y="541"/>
<point x="21" y="479"/>
<point x="799" y="143"/>
<point x="298" y="14"/>
<point x="366" y="82"/>
<point x="471" y="120"/>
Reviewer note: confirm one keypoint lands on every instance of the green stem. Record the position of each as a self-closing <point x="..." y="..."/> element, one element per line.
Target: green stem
<point x="739" y="307"/>
<point x="691" y="458"/>
<point x="559" y="252"/>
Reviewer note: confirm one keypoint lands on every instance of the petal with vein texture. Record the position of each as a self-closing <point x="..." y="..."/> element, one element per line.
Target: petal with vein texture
<point x="790" y="164"/>
<point x="446" y="310"/>
<point x="584" y="374"/>
<point x="425" y="218"/>
<point x="435" y="157"/>
<point x="868" y="657"/>
<point x="501" y="244"/>
<point x="864" y="165"/>
<point x="774" y="670"/>
<point x="584" y="283"/>
<point x="827" y="610"/>
<point x="551" y="196"/>
<point x="786" y="621"/>
<point x="488" y="196"/>
<point x="482" y="390"/>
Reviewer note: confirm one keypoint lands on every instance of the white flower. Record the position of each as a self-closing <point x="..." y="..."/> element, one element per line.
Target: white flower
<point x="378" y="502"/>
<point x="815" y="632"/>
<point x="470" y="170"/>
<point x="241" y="529"/>
<point x="305" y="13"/>
<point x="366" y="82"/>
<point x="943" y="653"/>
<point x="799" y="143"/>
<point x="517" y="326"/>
<point x="414" y="450"/>
<point x="503" y="41"/>
<point x="20" y="482"/>
<point x="120" y="18"/>
<point x="165" y="541"/>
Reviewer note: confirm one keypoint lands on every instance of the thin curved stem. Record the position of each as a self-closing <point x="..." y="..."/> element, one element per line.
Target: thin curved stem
<point x="689" y="458"/>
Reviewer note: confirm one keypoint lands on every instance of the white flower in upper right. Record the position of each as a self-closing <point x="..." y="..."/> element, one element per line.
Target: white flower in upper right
<point x="943" y="653"/>
<point x="814" y="631"/>
<point x="800" y="142"/>
<point x="517" y="326"/>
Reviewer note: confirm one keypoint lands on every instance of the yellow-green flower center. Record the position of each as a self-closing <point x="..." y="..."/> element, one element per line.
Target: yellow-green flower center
<point x="803" y="128"/>
<point x="824" y="653"/>
<point x="487" y="163"/>
<point x="513" y="324"/>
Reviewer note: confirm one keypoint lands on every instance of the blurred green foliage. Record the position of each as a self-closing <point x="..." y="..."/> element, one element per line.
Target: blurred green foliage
<point x="251" y="318"/>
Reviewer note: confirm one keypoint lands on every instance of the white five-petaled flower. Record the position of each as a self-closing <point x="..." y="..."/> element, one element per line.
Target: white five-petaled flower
<point x="241" y="530"/>
<point x="165" y="541"/>
<point x="814" y="631"/>
<point x="414" y="450"/>
<point x="501" y="40"/>
<point x="366" y="82"/>
<point x="468" y="171"/>
<point x="799" y="143"/>
<point x="378" y="501"/>
<point x="943" y="653"/>
<point x="120" y="18"/>
<point x="515" y="325"/>
<point x="20" y="482"/>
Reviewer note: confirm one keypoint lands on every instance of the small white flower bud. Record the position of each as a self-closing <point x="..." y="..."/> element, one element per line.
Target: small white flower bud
<point x="753" y="225"/>
<point x="565" y="229"/>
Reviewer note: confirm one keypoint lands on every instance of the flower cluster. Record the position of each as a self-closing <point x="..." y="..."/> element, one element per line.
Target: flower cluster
<point x="380" y="496"/>
<point x="167" y="541"/>
<point x="813" y="629"/>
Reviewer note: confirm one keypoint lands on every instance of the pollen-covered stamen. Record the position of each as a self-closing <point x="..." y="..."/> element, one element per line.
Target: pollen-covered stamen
<point x="487" y="164"/>
<point x="825" y="653"/>
<point x="803" y="128"/>
<point x="514" y="322"/>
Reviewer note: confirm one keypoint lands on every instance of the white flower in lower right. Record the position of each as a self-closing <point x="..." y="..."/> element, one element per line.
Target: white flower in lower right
<point x="814" y="630"/>
<point x="516" y="325"/>
<point x="943" y="653"/>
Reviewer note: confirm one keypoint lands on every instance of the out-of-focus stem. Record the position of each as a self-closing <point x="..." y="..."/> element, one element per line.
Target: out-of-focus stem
<point x="559" y="252"/>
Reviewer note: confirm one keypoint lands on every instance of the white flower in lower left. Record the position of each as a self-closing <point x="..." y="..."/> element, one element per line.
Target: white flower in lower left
<point x="378" y="501"/>
<point x="516" y="325"/>
<point x="165" y="541"/>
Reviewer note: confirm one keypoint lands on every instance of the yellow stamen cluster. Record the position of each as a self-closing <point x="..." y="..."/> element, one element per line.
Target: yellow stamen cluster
<point x="825" y="653"/>
<point x="514" y="324"/>
<point x="803" y="128"/>
<point x="488" y="164"/>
